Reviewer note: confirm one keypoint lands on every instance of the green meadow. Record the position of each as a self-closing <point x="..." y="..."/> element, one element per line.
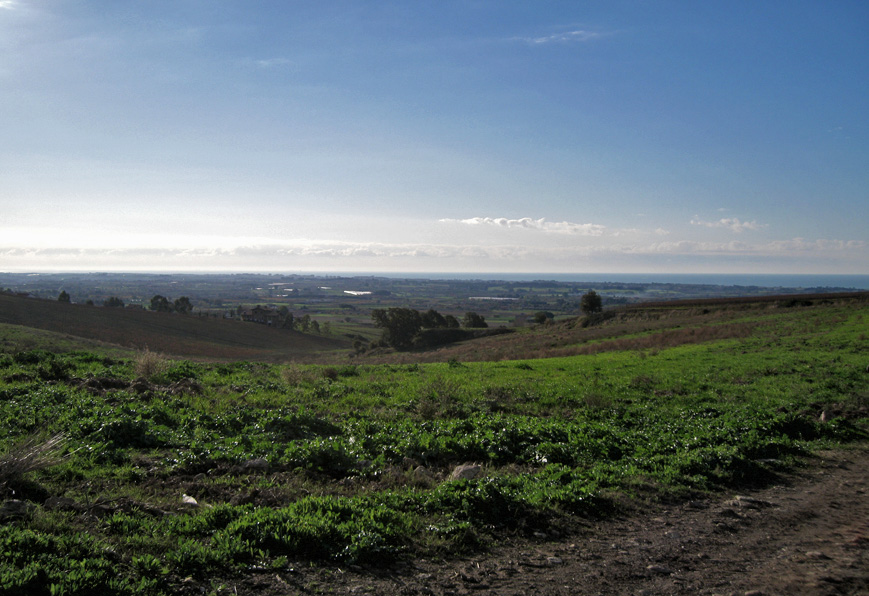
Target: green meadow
<point x="140" y="475"/>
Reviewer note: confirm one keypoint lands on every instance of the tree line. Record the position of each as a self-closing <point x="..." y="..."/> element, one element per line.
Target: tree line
<point x="402" y="327"/>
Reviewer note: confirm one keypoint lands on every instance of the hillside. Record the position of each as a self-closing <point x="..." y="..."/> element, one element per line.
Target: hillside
<point x="649" y="326"/>
<point x="618" y="465"/>
<point x="182" y="336"/>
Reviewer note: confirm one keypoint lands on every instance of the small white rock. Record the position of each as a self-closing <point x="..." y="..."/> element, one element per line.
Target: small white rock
<point x="466" y="472"/>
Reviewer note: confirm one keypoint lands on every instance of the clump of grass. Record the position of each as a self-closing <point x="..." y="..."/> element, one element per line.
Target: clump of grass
<point x="30" y="455"/>
<point x="597" y="400"/>
<point x="149" y="364"/>
<point x="294" y="374"/>
<point x="438" y="399"/>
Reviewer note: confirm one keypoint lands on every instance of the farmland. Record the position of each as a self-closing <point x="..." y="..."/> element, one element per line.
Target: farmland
<point x="167" y="473"/>
<point x="341" y="305"/>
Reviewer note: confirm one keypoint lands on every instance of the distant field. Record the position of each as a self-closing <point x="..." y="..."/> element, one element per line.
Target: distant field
<point x="185" y="336"/>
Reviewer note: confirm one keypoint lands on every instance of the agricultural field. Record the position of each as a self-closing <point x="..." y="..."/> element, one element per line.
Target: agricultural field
<point x="345" y="302"/>
<point x="135" y="473"/>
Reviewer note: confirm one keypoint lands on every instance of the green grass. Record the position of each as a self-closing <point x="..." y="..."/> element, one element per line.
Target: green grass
<point x="359" y="455"/>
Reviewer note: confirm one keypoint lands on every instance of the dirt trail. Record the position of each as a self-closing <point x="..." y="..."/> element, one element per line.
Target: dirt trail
<point x="809" y="535"/>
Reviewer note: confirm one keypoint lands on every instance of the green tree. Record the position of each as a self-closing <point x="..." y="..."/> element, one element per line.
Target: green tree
<point x="543" y="316"/>
<point x="160" y="304"/>
<point x="400" y="325"/>
<point x="452" y="322"/>
<point x="113" y="302"/>
<point x="432" y="319"/>
<point x="183" y="305"/>
<point x="473" y="320"/>
<point x="63" y="297"/>
<point x="591" y="303"/>
<point x="288" y="320"/>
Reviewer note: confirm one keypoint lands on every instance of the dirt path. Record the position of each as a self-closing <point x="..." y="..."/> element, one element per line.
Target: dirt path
<point x="807" y="535"/>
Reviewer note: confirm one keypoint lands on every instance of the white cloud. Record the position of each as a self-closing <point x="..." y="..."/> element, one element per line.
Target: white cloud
<point x="527" y="223"/>
<point x="335" y="255"/>
<point x="8" y="4"/>
<point x="575" y="36"/>
<point x="775" y="248"/>
<point x="273" y="62"/>
<point x="730" y="223"/>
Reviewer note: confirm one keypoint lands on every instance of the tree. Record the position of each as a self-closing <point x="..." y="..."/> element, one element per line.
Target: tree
<point x="183" y="305"/>
<point x="160" y="304"/>
<point x="63" y="296"/>
<point x="400" y="325"/>
<point x="591" y="303"/>
<point x="543" y="316"/>
<point x="113" y="302"/>
<point x="432" y="319"/>
<point x="474" y="320"/>
<point x="452" y="322"/>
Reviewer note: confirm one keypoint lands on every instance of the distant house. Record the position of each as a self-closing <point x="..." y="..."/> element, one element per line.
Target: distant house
<point x="262" y="315"/>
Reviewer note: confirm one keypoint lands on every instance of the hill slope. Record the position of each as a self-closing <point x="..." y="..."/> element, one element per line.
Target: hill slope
<point x="175" y="335"/>
<point x="648" y="326"/>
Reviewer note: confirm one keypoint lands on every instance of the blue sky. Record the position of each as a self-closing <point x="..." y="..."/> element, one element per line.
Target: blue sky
<point x="473" y="136"/>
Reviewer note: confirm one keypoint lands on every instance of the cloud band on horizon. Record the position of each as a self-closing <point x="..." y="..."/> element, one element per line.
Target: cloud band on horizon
<point x="527" y="223"/>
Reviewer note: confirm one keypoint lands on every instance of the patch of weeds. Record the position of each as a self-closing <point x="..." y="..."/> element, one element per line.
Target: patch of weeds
<point x="294" y="375"/>
<point x="30" y="455"/>
<point x="643" y="383"/>
<point x="499" y="399"/>
<point x="148" y="364"/>
<point x="597" y="400"/>
<point x="181" y="371"/>
<point x="438" y="399"/>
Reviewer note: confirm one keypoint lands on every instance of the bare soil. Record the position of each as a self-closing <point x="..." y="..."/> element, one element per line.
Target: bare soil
<point x="805" y="534"/>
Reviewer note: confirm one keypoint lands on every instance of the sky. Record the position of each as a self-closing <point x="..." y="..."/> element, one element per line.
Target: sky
<point x="495" y="136"/>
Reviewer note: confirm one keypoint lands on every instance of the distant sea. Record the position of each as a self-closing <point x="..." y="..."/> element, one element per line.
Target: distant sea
<point x="854" y="282"/>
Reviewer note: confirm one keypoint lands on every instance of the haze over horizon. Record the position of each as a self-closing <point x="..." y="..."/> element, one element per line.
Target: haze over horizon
<point x="497" y="136"/>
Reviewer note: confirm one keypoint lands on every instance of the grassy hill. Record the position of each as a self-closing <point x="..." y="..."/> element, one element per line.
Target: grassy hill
<point x="649" y="326"/>
<point x="182" y="336"/>
<point x="238" y="477"/>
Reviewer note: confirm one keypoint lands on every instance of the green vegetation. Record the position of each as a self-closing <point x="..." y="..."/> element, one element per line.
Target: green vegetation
<point x="129" y="475"/>
<point x="406" y="328"/>
<point x="591" y="303"/>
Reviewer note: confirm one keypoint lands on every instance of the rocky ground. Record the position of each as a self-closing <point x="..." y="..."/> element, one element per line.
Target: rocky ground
<point x="806" y="534"/>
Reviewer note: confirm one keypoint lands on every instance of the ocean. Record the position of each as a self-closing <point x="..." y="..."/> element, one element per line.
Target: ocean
<point x="807" y="280"/>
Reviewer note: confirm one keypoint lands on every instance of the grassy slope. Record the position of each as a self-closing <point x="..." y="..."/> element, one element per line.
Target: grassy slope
<point x="557" y="437"/>
<point x="175" y="335"/>
<point x="650" y="326"/>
